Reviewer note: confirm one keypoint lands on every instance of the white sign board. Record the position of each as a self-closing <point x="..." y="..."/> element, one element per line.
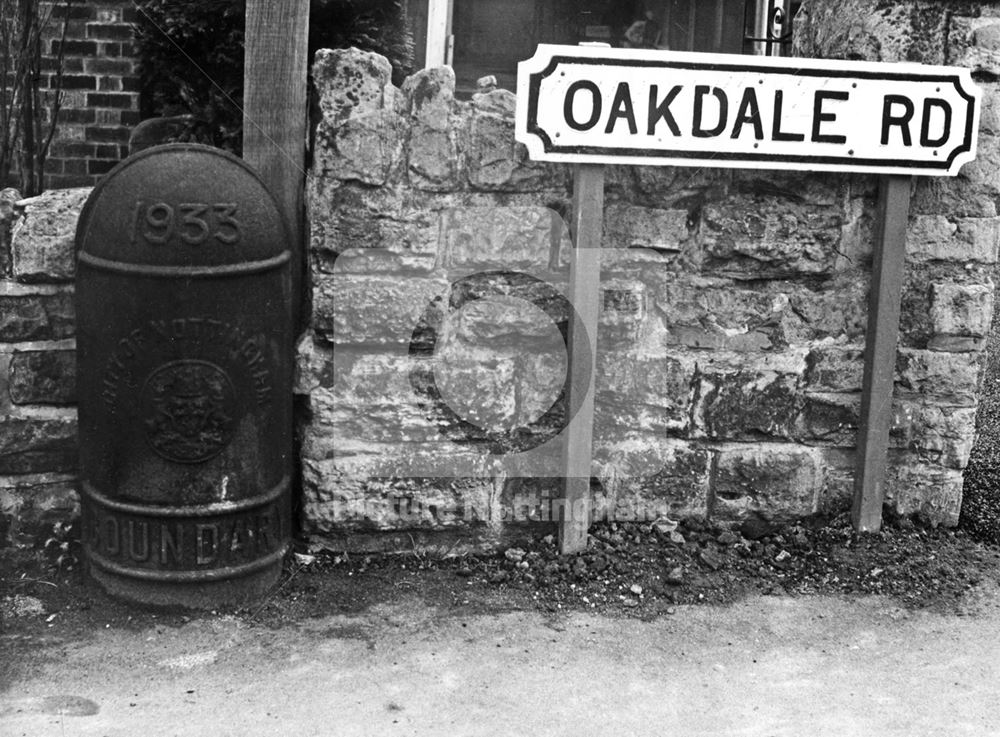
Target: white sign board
<point x="636" y="106"/>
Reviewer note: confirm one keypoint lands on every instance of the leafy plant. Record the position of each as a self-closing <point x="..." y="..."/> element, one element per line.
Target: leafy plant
<point x="191" y="55"/>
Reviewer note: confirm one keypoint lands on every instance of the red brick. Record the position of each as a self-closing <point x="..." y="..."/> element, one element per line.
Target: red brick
<point x="100" y="99"/>
<point x="64" y="181"/>
<point x="107" y="135"/>
<point x="74" y="48"/>
<point x="99" y="166"/>
<point x="109" y="31"/>
<point x="109" y="84"/>
<point x="72" y="10"/>
<point x="121" y="66"/>
<point x="75" y="166"/>
<point x="72" y="148"/>
<point x="73" y="82"/>
<point x="76" y="115"/>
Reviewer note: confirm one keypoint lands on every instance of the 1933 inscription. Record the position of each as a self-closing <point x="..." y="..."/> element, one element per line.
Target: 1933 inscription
<point x="193" y="223"/>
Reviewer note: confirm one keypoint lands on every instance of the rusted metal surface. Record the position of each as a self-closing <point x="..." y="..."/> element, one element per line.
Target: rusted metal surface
<point x="184" y="379"/>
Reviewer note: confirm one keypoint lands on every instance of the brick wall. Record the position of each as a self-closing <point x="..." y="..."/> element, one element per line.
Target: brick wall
<point x="100" y="89"/>
<point x="730" y="343"/>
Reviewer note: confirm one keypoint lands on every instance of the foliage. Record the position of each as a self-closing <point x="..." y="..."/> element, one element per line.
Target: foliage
<point x="191" y="55"/>
<point x="31" y="100"/>
<point x="191" y="62"/>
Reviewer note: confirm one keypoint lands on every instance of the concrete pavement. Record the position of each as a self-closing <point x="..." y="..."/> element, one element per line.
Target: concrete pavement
<point x="767" y="666"/>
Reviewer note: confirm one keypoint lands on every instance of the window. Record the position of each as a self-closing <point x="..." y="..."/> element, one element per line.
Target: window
<point x="490" y="36"/>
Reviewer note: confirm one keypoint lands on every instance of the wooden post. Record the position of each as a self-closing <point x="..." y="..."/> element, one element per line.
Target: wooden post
<point x="439" y="15"/>
<point x="584" y="295"/>
<point x="880" y="353"/>
<point x="274" y="111"/>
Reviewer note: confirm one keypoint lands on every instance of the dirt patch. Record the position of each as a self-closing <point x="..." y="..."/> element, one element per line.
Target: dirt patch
<point x="628" y="570"/>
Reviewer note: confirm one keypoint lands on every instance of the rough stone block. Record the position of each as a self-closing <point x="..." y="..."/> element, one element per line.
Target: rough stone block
<point x="747" y="404"/>
<point x="38" y="444"/>
<point x="646" y="477"/>
<point x="371" y="229"/>
<point x="501" y="321"/>
<point x="837" y="492"/>
<point x="314" y="365"/>
<point x="43" y="377"/>
<point x="829" y="418"/>
<point x="31" y="505"/>
<point x="936" y="237"/>
<point x="350" y="82"/>
<point x="962" y="312"/>
<point x="35" y="314"/>
<point x="433" y="159"/>
<point x="782" y="480"/>
<point x="938" y="435"/>
<point x="344" y="496"/>
<point x="631" y="226"/>
<point x="370" y="402"/>
<point x="363" y="148"/>
<point x="858" y="29"/>
<point x="989" y="119"/>
<point x="640" y="392"/>
<point x="358" y="135"/>
<point x="719" y="315"/>
<point x="429" y="97"/>
<point x="496" y="162"/>
<point x="835" y="368"/>
<point x="752" y="237"/>
<point x="42" y="247"/>
<point x="623" y="311"/>
<point x="914" y="488"/>
<point x="949" y="378"/>
<point x="378" y="310"/>
<point x="508" y="237"/>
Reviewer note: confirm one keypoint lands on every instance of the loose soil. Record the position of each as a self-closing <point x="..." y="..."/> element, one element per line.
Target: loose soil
<point x="628" y="570"/>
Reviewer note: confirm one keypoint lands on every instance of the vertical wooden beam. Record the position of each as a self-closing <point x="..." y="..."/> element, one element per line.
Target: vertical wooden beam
<point x="880" y="353"/>
<point x="439" y="18"/>
<point x="584" y="295"/>
<point x="274" y="111"/>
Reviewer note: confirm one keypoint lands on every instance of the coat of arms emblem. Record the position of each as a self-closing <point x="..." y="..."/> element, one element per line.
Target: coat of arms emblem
<point x="189" y="410"/>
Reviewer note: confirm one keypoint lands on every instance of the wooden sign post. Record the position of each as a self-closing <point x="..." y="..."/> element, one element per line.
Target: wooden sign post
<point x="591" y="106"/>
<point x="584" y="295"/>
<point x="274" y="112"/>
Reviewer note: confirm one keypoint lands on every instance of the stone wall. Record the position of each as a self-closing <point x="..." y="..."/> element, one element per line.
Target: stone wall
<point x="733" y="312"/>
<point x="38" y="457"/>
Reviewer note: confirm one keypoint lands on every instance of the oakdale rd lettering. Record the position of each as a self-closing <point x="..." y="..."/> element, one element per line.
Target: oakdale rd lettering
<point x="628" y="106"/>
<point x="710" y="113"/>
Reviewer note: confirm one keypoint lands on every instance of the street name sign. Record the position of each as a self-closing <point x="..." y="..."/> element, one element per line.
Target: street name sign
<point x="581" y="104"/>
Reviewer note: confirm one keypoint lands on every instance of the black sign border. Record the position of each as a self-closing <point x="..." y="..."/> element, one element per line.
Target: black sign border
<point x="534" y="92"/>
